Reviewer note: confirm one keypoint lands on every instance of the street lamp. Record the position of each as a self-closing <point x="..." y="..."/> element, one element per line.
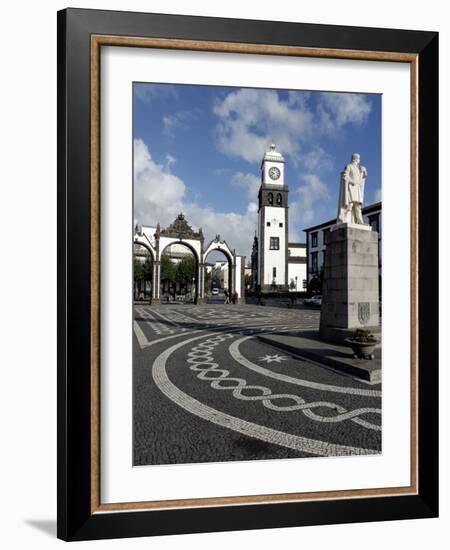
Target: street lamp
<point x="296" y="283"/>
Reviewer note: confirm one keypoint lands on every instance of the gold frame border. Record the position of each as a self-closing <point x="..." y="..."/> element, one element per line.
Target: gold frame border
<point x="97" y="41"/>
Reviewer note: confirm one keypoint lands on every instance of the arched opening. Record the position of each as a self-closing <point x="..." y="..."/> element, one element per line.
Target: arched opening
<point x="179" y="273"/>
<point x="219" y="282"/>
<point x="142" y="272"/>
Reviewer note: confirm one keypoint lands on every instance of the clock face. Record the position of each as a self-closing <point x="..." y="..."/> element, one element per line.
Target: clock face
<point x="274" y="173"/>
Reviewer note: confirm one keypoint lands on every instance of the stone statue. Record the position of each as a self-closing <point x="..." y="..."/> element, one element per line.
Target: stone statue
<point x="351" y="193"/>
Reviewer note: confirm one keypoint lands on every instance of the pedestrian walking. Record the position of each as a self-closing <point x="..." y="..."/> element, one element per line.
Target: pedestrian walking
<point x="227" y="297"/>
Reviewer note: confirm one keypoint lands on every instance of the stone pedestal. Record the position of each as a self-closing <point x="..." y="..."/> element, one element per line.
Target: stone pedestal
<point x="350" y="282"/>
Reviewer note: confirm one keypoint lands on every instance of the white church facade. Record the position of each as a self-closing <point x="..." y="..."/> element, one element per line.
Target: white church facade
<point x="277" y="264"/>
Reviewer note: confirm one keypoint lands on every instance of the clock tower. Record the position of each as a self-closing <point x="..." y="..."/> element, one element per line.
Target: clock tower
<point x="272" y="224"/>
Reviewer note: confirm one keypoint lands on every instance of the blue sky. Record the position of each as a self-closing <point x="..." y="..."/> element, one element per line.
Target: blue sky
<point x="198" y="149"/>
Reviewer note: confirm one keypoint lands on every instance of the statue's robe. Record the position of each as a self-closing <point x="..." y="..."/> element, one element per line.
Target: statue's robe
<point x="353" y="173"/>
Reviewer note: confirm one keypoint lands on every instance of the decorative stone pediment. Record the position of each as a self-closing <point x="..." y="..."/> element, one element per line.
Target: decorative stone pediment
<point x="180" y="229"/>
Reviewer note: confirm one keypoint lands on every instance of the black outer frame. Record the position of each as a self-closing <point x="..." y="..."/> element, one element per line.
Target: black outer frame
<point x="75" y="521"/>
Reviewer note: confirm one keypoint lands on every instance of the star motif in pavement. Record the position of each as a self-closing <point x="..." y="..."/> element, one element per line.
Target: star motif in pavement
<point x="273" y="358"/>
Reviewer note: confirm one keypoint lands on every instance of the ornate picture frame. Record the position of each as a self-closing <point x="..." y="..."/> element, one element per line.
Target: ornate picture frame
<point x="81" y="36"/>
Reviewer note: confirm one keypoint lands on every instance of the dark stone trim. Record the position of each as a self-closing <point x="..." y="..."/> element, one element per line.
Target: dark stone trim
<point x="262" y="230"/>
<point x="180" y="229"/>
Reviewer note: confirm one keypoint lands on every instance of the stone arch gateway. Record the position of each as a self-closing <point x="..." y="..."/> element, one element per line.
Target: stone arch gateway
<point x="218" y="245"/>
<point x="180" y="232"/>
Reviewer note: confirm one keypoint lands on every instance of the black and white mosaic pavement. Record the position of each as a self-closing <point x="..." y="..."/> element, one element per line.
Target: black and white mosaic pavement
<point x="206" y="389"/>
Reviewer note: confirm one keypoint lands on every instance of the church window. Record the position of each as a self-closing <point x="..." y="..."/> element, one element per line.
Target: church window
<point x="274" y="243"/>
<point x="281" y="224"/>
<point x="314" y="239"/>
<point x="268" y="224"/>
<point x="279" y="199"/>
<point x="270" y="198"/>
<point x="274" y="273"/>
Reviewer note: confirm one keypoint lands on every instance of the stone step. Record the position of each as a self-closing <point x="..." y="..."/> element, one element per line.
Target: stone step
<point x="308" y="345"/>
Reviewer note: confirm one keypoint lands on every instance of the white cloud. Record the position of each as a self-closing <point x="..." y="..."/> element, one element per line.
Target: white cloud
<point x="298" y="99"/>
<point x="169" y="161"/>
<point x="149" y="93"/>
<point x="317" y="160"/>
<point x="377" y="195"/>
<point x="175" y="122"/>
<point x="312" y="197"/>
<point x="249" y="182"/>
<point x="159" y="196"/>
<point x="296" y="222"/>
<point x="249" y="119"/>
<point x="156" y="188"/>
<point x="169" y="123"/>
<point x="237" y="229"/>
<point x="337" y="109"/>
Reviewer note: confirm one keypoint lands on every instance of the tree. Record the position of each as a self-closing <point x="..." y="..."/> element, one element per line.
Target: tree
<point x="147" y="269"/>
<point x="168" y="269"/>
<point x="208" y="278"/>
<point x="185" y="270"/>
<point x="138" y="269"/>
<point x="142" y="272"/>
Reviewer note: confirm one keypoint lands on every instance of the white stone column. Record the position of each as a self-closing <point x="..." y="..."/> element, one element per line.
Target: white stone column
<point x="239" y="272"/>
<point x="201" y="282"/>
<point x="156" y="281"/>
<point x="154" y="278"/>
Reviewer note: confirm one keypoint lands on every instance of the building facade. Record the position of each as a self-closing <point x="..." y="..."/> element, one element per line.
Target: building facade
<point x="219" y="274"/>
<point x="316" y="237"/>
<point x="297" y="261"/>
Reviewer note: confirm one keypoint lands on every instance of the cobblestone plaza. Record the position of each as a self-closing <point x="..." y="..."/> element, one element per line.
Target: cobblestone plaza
<point x="206" y="389"/>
